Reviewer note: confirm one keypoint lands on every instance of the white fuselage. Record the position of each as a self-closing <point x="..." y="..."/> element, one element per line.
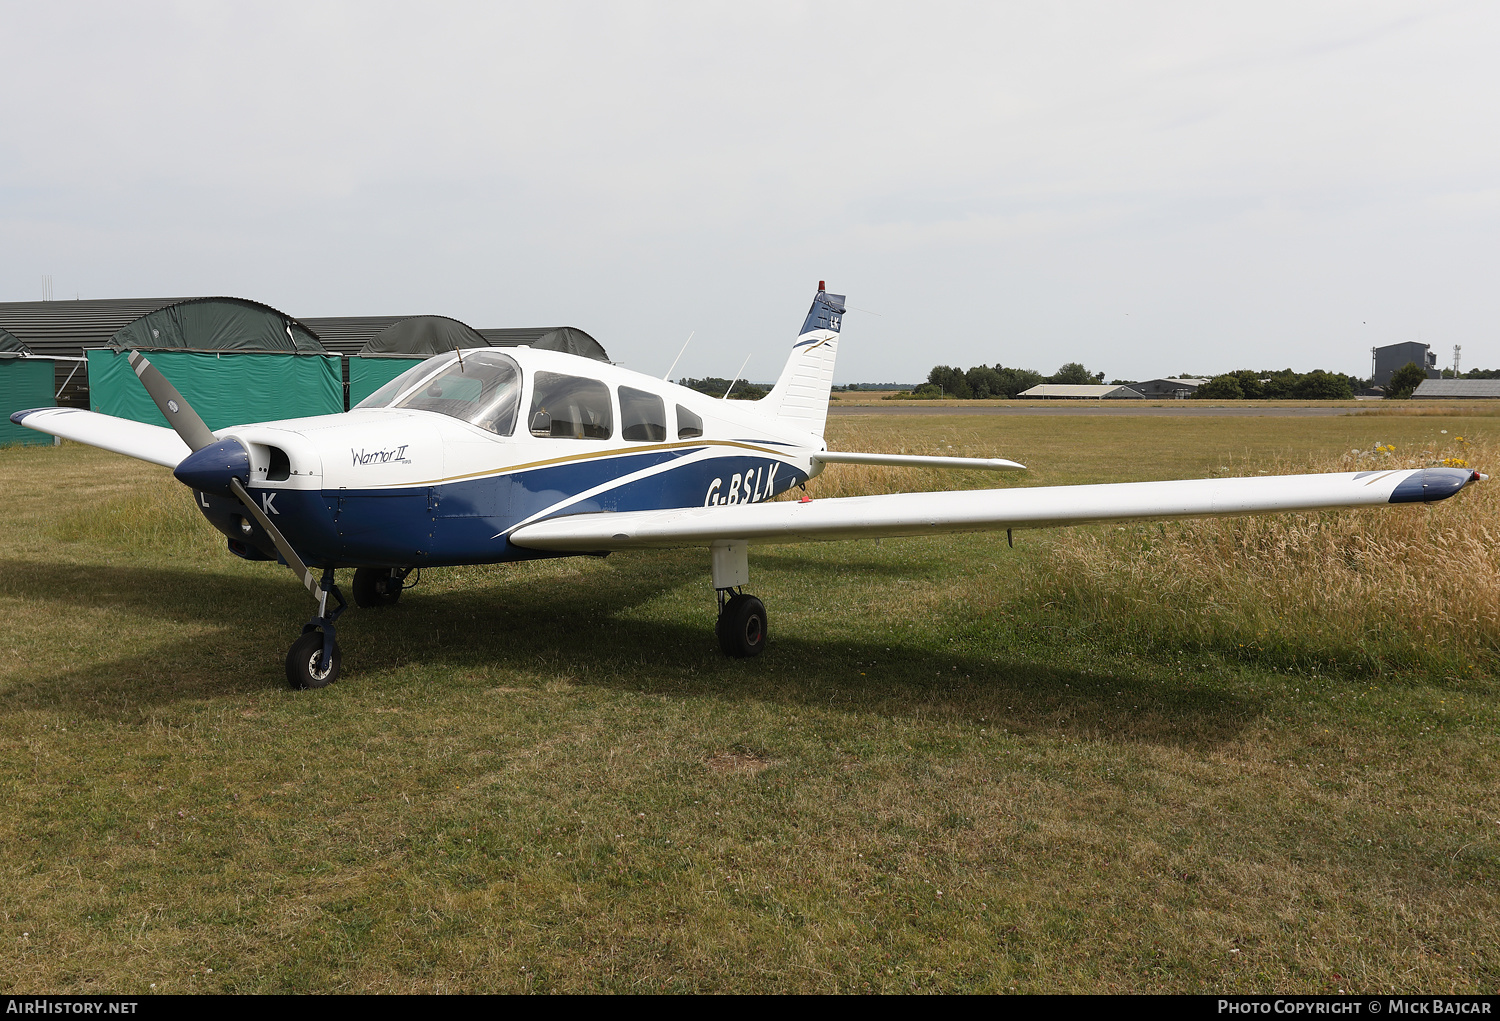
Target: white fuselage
<point x="403" y="486"/>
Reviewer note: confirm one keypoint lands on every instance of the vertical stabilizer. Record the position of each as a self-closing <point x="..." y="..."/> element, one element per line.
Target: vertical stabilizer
<point x="801" y="394"/>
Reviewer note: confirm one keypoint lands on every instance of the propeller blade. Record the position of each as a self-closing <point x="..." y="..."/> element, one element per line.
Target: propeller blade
<point x="283" y="547"/>
<point x="178" y="413"/>
<point x="185" y="421"/>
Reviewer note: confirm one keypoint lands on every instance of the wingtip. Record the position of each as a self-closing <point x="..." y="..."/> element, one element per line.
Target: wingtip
<point x="19" y="417"/>
<point x="1428" y="485"/>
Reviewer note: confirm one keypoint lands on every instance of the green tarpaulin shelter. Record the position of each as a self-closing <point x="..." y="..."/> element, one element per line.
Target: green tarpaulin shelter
<point x="217" y="324"/>
<point x="567" y="339"/>
<point x="25" y="382"/>
<point x="403" y="344"/>
<point x="400" y="346"/>
<point x="236" y="361"/>
<point x="9" y="345"/>
<point x="225" y="389"/>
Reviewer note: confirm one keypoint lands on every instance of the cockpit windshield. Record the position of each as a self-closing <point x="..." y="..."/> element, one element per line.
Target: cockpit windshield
<point x="483" y="388"/>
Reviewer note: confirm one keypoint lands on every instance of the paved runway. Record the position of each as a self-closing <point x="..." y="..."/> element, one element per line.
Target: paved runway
<point x="1191" y="409"/>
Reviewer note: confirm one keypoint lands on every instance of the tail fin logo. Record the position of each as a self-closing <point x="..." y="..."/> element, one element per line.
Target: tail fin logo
<point x="827" y="313"/>
<point x="814" y="343"/>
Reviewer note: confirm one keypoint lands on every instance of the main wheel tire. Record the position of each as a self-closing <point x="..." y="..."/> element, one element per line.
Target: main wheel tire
<point x="375" y="586"/>
<point x="302" y="663"/>
<point x="742" y="627"/>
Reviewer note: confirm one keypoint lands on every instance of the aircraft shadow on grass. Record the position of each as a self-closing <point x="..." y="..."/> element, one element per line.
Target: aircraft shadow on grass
<point x="788" y="563"/>
<point x="583" y="627"/>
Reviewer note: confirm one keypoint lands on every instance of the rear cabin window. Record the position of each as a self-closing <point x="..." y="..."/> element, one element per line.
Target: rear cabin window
<point x="689" y="425"/>
<point x="643" y="416"/>
<point x="571" y="407"/>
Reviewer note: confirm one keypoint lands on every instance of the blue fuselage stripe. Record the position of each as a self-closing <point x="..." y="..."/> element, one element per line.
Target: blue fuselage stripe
<point x="467" y="521"/>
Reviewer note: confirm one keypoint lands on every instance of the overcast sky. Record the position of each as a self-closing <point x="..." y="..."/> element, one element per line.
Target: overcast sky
<point x="1144" y="187"/>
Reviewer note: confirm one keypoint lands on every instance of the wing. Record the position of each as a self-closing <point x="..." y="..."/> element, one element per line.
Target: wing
<point x="153" y="443"/>
<point x="985" y="510"/>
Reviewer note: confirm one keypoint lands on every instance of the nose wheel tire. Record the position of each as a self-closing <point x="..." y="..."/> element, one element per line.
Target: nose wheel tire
<point x="303" y="666"/>
<point x="376" y="586"/>
<point x="742" y="626"/>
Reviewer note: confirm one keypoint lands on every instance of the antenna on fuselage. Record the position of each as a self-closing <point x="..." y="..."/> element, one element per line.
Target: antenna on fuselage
<point x="736" y="378"/>
<point x="460" y="352"/>
<point x="685" y="343"/>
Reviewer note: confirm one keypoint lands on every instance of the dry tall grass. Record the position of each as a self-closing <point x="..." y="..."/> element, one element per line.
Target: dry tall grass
<point x="1368" y="590"/>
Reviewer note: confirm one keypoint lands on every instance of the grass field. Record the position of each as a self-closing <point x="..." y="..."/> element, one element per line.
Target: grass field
<point x="1225" y="755"/>
<point x="1455" y="408"/>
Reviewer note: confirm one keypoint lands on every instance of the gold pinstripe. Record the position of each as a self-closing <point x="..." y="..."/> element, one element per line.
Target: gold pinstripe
<point x="612" y="452"/>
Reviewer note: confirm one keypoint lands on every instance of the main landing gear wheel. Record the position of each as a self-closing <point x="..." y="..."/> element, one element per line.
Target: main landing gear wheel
<point x="742" y="626"/>
<point x="304" y="668"/>
<point x="376" y="586"/>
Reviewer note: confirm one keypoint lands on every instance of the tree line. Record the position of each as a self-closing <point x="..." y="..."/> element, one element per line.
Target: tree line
<point x="1278" y="385"/>
<point x="987" y="381"/>
<point x="999" y="381"/>
<point x="1268" y="384"/>
<point x="715" y="386"/>
<point x="1319" y="385"/>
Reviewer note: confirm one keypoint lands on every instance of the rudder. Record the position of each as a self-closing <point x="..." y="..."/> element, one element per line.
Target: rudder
<point x="801" y="394"/>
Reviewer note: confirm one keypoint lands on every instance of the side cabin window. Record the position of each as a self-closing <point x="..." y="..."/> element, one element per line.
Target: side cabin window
<point x="571" y="407"/>
<point x="689" y="425"/>
<point x="643" y="416"/>
<point x="483" y="389"/>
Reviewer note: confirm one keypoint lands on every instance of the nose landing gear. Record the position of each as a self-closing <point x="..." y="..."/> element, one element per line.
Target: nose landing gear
<point x="308" y="666"/>
<point x="314" y="659"/>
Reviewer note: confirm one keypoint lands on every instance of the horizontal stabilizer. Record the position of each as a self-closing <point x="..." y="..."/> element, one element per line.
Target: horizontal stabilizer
<point x="994" y="464"/>
<point x="986" y="510"/>
<point x="153" y="443"/>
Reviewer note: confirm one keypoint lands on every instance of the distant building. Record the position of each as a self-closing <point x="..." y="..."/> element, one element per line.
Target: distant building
<point x="1175" y="388"/>
<point x="1386" y="360"/>
<point x="1462" y="389"/>
<point x="1081" y="391"/>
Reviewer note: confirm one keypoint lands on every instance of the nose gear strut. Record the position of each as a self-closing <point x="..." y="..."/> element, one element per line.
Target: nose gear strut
<point x="313" y="661"/>
<point x="309" y="664"/>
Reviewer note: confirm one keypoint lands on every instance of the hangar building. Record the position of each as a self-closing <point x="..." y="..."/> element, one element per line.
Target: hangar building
<point x="1080" y="391"/>
<point x="1386" y="360"/>
<point x="1460" y="389"/>
<point x="1174" y="388"/>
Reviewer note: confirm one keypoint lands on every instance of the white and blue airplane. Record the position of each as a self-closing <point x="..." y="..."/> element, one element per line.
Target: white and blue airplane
<point x="490" y="455"/>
